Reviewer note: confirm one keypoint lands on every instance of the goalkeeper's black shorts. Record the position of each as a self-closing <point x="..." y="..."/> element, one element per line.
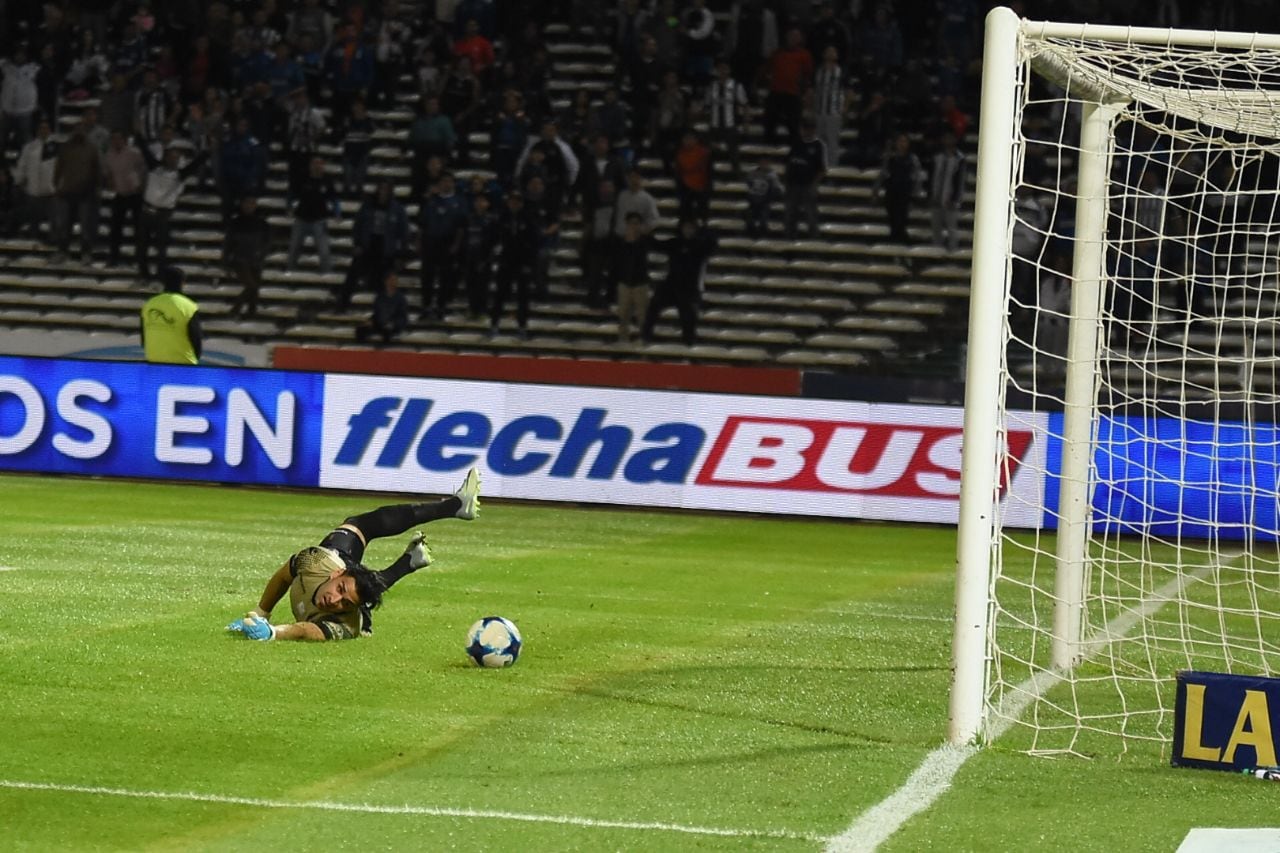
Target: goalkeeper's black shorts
<point x="347" y="545"/>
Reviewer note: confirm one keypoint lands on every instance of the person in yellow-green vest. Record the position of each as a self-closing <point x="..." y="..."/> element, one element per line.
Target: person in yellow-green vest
<point x="170" y="324"/>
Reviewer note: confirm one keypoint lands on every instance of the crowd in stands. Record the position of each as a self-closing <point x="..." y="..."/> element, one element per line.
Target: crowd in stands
<point x="212" y="94"/>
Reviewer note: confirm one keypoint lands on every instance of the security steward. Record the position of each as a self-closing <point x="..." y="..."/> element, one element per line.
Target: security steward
<point x="170" y="323"/>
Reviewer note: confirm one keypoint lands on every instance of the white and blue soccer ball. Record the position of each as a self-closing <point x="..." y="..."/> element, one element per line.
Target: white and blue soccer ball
<point x="493" y="642"/>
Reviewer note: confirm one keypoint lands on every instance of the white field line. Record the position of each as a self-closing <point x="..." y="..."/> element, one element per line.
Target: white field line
<point x="933" y="777"/>
<point x="422" y="811"/>
<point x="8" y="568"/>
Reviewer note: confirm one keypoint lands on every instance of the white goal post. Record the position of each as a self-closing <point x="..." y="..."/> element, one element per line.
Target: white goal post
<point x="1126" y="266"/>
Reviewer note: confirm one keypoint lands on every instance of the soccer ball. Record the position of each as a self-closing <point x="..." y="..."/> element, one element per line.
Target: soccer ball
<point x="493" y="642"/>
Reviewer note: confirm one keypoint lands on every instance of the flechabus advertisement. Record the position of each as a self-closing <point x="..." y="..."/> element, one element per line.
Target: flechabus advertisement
<point x="544" y="442"/>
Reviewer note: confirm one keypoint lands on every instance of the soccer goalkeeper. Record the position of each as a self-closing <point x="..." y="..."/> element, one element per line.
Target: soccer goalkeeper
<point x="331" y="593"/>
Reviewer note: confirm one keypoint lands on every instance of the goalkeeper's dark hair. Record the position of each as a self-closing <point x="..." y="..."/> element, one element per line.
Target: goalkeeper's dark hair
<point x="368" y="585"/>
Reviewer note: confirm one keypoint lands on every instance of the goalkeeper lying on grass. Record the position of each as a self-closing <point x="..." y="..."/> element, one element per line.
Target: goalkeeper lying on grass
<point x="331" y="593"/>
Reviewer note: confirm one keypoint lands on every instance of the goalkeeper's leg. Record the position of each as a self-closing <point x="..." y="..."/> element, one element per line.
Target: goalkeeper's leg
<point x="396" y="519"/>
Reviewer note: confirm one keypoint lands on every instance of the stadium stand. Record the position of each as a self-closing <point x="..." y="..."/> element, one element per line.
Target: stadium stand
<point x="850" y="300"/>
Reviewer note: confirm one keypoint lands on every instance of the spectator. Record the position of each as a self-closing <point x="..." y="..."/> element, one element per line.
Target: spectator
<point x="284" y="75"/>
<point x="152" y="108"/>
<point x="476" y="48"/>
<point x="790" y="72"/>
<point x="611" y="117"/>
<point x="431" y="135"/>
<point x="646" y="75"/>
<point x="727" y="113"/>
<point x="874" y="128"/>
<point x="165" y="184"/>
<point x="597" y="244"/>
<point x="132" y="51"/>
<point x="636" y="199"/>
<point x="600" y="165"/>
<point x="763" y="187"/>
<point x="882" y="41"/>
<point x="394" y="39"/>
<point x="687" y="256"/>
<point x="205" y="127"/>
<point x="461" y="100"/>
<point x="311" y="22"/>
<point x="544" y="210"/>
<point x="18" y="99"/>
<point x="125" y="173"/>
<point x="951" y="118"/>
<point x="244" y="167"/>
<point x="829" y="104"/>
<point x="899" y="182"/>
<point x="48" y="81"/>
<point x="170" y="323"/>
<point x="580" y="121"/>
<point x="631" y="276"/>
<point x="357" y="145"/>
<point x="428" y="74"/>
<point x="76" y="178"/>
<point x="117" y="108"/>
<point x="264" y="115"/>
<point x="946" y="192"/>
<point x="518" y="237"/>
<point x="806" y="166"/>
<point x="700" y="42"/>
<point x="627" y="31"/>
<point x="693" y="177"/>
<point x="349" y="68"/>
<point x="664" y="27"/>
<point x="390" y="315"/>
<point x="560" y="162"/>
<point x="381" y="233"/>
<point x="311" y="58"/>
<point x="441" y="225"/>
<point x="828" y="31"/>
<point x="306" y="128"/>
<point x="8" y="204"/>
<point x="480" y="237"/>
<point x="753" y="38"/>
<point x="244" y="252"/>
<point x="670" y="118"/>
<point x="90" y="70"/>
<point x="507" y="137"/>
<point x="99" y="137"/>
<point x="198" y="75"/>
<point x="317" y="201"/>
<point x="34" y="177"/>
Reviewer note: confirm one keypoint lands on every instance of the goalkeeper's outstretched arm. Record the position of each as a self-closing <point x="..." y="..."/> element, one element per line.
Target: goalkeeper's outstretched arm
<point x="277" y="586"/>
<point x="300" y="631"/>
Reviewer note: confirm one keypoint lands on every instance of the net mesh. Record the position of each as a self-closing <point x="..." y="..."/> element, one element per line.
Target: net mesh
<point x="1182" y="569"/>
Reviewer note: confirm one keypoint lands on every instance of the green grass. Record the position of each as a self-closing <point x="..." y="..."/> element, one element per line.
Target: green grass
<point x="763" y="676"/>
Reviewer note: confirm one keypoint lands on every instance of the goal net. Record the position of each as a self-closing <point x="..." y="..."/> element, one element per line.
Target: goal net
<point x="1125" y="304"/>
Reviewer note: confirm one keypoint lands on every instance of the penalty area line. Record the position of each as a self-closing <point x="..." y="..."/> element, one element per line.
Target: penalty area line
<point x="418" y="811"/>
<point x="933" y="777"/>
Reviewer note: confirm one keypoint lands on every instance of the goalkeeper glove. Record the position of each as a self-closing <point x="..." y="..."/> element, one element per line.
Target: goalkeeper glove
<point x="253" y="627"/>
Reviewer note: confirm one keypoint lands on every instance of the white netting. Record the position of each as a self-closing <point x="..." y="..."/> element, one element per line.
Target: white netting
<point x="1182" y="568"/>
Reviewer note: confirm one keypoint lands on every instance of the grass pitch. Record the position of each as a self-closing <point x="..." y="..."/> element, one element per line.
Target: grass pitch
<point x="764" y="679"/>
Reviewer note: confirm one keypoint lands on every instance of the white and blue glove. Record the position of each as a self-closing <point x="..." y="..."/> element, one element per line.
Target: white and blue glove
<point x="253" y="627"/>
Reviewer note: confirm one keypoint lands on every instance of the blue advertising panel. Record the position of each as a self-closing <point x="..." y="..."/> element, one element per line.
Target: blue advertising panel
<point x="1225" y="722"/>
<point x="1177" y="477"/>
<point x="145" y="420"/>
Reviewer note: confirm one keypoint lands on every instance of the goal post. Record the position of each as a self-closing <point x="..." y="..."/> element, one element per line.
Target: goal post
<point x="1126" y="266"/>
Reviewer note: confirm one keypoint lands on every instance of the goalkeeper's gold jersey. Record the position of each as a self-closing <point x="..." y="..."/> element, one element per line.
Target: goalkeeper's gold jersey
<point x="311" y="567"/>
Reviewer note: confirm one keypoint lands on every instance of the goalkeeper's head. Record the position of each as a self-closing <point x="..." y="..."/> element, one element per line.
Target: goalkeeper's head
<point x="352" y="587"/>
